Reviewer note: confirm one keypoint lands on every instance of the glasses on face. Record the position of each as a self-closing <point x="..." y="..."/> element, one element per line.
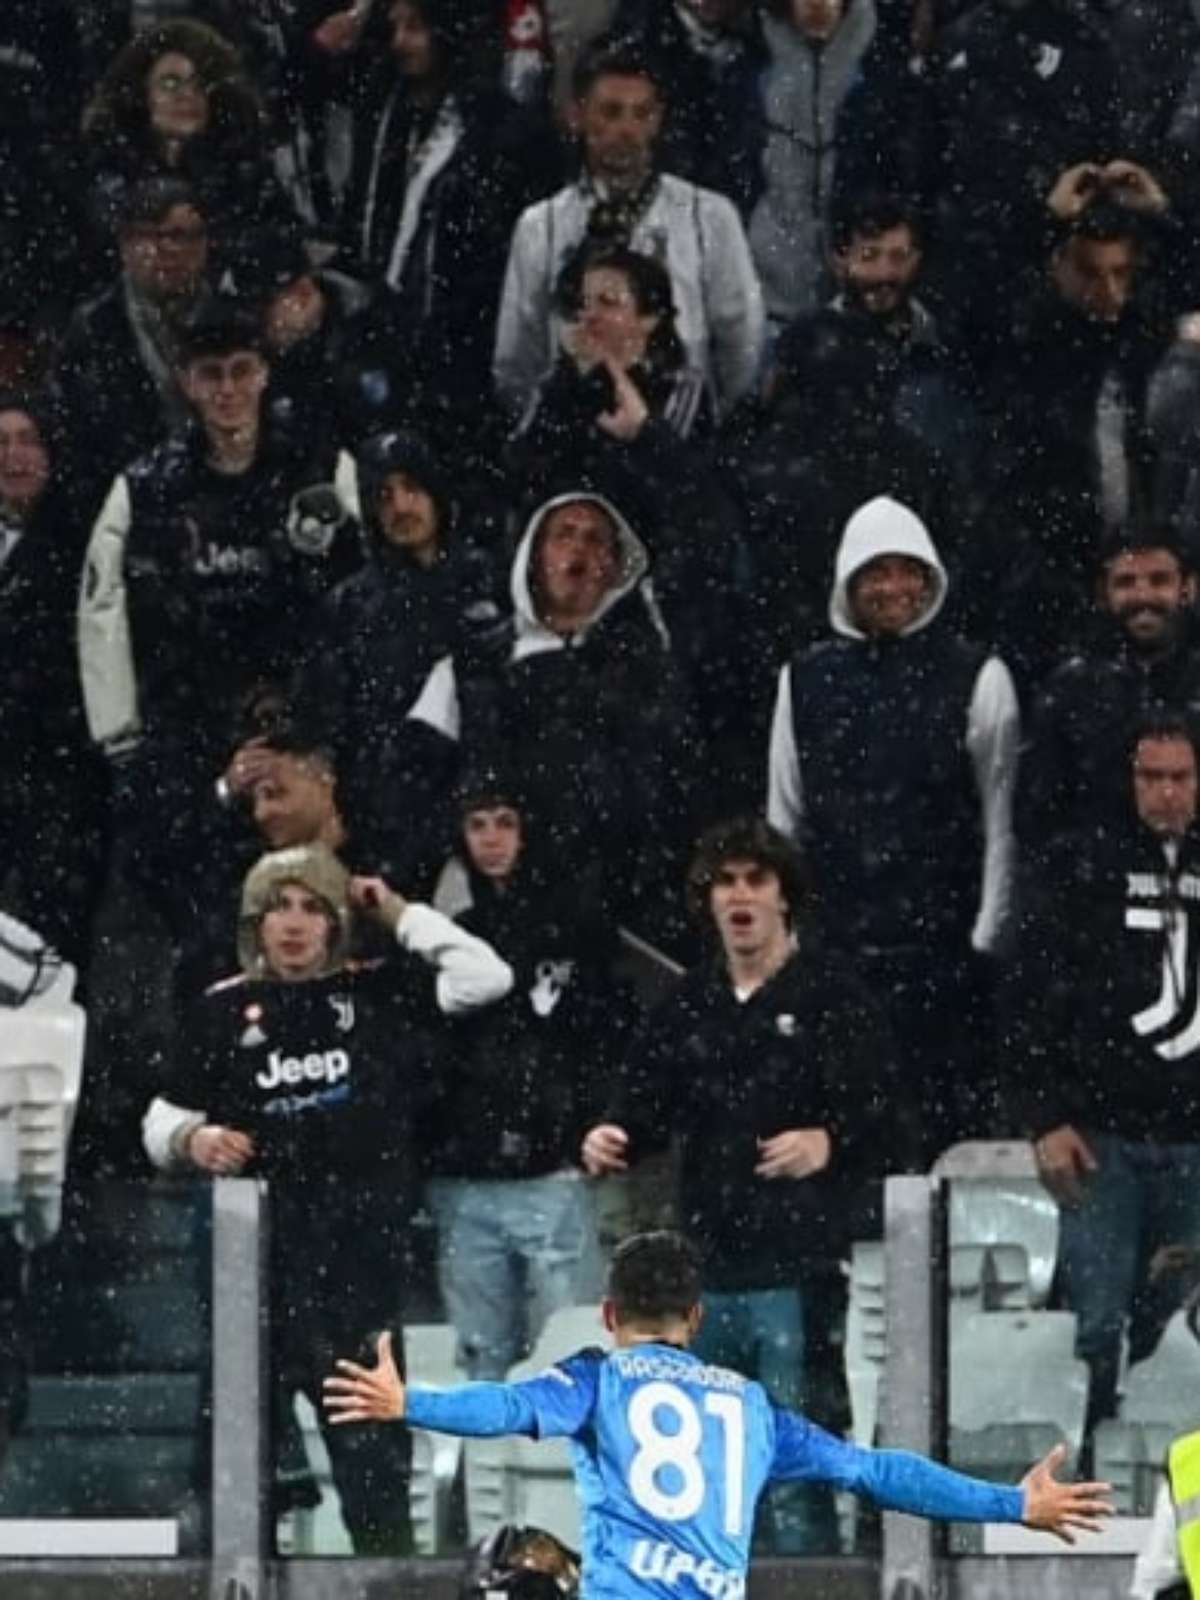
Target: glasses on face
<point x="211" y="373"/>
<point x="174" y="84"/>
<point x="179" y="238"/>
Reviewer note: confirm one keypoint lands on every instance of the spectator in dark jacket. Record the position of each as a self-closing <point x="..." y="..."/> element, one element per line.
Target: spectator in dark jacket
<point x="771" y="1157"/>
<point x="41" y="85"/>
<point x="176" y="102"/>
<point x="521" y="1083"/>
<point x="1105" y="1052"/>
<point x="424" y="592"/>
<point x="707" y="55"/>
<point x="51" y="800"/>
<point x="1065" y="399"/>
<point x="443" y="163"/>
<point x="116" y="378"/>
<point x="1142" y="660"/>
<point x="623" y="411"/>
<point x="309" y="1072"/>
<point x="581" y="700"/>
<point x="1023" y="92"/>
<point x="203" y="573"/>
<point x="893" y="758"/>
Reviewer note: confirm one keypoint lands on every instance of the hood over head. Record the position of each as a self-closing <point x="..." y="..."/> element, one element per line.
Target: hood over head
<point x="883" y="527"/>
<point x="400" y="450"/>
<point x="532" y="632"/>
<point x="315" y="868"/>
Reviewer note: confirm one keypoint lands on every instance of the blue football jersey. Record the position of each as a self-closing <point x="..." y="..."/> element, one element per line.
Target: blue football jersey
<point x="671" y="1457"/>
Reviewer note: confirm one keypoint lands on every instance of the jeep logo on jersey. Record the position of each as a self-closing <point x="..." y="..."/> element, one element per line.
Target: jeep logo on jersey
<point x="319" y="1066"/>
<point x="213" y="560"/>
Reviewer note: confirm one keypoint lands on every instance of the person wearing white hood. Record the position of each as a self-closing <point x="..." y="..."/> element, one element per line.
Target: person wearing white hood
<point x="582" y="701"/>
<point x="893" y="760"/>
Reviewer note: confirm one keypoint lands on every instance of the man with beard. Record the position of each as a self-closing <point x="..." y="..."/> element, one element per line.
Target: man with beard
<point x="878" y="257"/>
<point x="1073" y="774"/>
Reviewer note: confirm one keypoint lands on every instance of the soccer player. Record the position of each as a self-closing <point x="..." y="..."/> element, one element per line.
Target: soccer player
<point x="671" y="1455"/>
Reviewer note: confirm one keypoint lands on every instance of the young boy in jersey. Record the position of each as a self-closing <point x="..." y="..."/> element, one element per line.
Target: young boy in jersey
<point x="671" y="1454"/>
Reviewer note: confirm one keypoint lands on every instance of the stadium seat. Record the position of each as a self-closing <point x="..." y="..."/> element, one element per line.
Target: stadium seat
<point x="520" y="1480"/>
<point x="1016" y="1388"/>
<point x="429" y="1353"/>
<point x="41" y="1067"/>
<point x="996" y="1198"/>
<point x="1156" y="1403"/>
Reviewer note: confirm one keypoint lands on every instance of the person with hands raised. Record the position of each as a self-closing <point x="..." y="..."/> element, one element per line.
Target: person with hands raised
<point x="725" y="1441"/>
<point x="310" y="1070"/>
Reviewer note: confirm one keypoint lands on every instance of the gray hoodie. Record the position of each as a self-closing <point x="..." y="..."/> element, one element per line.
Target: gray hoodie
<point x="802" y="94"/>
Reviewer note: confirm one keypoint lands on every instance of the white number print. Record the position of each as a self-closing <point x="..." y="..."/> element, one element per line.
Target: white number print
<point x="680" y="1450"/>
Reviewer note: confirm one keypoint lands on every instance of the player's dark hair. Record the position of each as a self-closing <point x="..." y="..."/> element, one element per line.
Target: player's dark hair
<point x="654" y="1278"/>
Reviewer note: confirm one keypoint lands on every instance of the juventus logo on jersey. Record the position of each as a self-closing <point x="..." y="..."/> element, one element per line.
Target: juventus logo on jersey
<point x="343" y="1007"/>
<point x="1175" y="1012"/>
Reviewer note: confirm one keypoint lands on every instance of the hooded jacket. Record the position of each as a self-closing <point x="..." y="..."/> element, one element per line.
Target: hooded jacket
<point x="379" y="634"/>
<point x="528" y="1076"/>
<point x="594" y="727"/>
<point x="802" y="90"/>
<point x="893" y="761"/>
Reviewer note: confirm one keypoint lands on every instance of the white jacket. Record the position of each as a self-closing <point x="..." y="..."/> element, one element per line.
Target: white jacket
<point x="695" y="232"/>
<point x="885" y="527"/>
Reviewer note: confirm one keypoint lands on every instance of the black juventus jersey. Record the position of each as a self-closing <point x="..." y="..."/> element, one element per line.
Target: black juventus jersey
<point x="1109" y="987"/>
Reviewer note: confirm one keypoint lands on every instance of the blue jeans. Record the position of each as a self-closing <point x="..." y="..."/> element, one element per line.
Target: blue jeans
<point x="761" y="1332"/>
<point x="510" y="1251"/>
<point x="1143" y="1196"/>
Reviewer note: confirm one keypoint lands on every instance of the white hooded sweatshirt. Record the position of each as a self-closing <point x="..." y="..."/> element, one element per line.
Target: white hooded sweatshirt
<point x="885" y="527"/>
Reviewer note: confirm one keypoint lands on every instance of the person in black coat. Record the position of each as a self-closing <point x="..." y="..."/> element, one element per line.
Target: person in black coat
<point x="623" y="411"/>
<point x="707" y="57"/>
<point x="52" y="801"/>
<point x="443" y="163"/>
<point x="176" y="101"/>
<point x="309" y="1072"/>
<point x="773" y="1157"/>
<point x="520" y="1084"/>
<point x="426" y="590"/>
<point x="115" y="378"/>
<point x="1105" y="1042"/>
<point x="1141" y="658"/>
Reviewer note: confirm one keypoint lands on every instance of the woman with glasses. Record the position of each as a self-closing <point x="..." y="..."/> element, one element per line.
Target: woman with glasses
<point x="176" y="101"/>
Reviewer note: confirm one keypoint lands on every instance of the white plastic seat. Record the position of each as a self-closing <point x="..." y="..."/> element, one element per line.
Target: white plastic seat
<point x="525" y="1480"/>
<point x="41" y="1067"/>
<point x="1160" y="1398"/>
<point x="1012" y="1209"/>
<point x="1016" y="1387"/>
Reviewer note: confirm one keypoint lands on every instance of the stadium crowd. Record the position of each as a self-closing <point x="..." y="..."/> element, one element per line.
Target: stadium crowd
<point x="464" y="467"/>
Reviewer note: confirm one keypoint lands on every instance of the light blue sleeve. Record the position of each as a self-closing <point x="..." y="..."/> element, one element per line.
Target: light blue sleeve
<point x="556" y="1404"/>
<point x="898" y="1480"/>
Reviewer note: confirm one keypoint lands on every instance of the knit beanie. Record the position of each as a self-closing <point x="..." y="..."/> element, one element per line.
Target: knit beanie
<point x="315" y="868"/>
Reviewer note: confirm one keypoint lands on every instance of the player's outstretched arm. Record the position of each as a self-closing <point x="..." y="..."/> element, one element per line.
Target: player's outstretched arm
<point x="1062" y="1508"/>
<point x="366" y="1394"/>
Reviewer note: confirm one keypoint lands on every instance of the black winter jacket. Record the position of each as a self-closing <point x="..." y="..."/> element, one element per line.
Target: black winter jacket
<point x="804" y="1051"/>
